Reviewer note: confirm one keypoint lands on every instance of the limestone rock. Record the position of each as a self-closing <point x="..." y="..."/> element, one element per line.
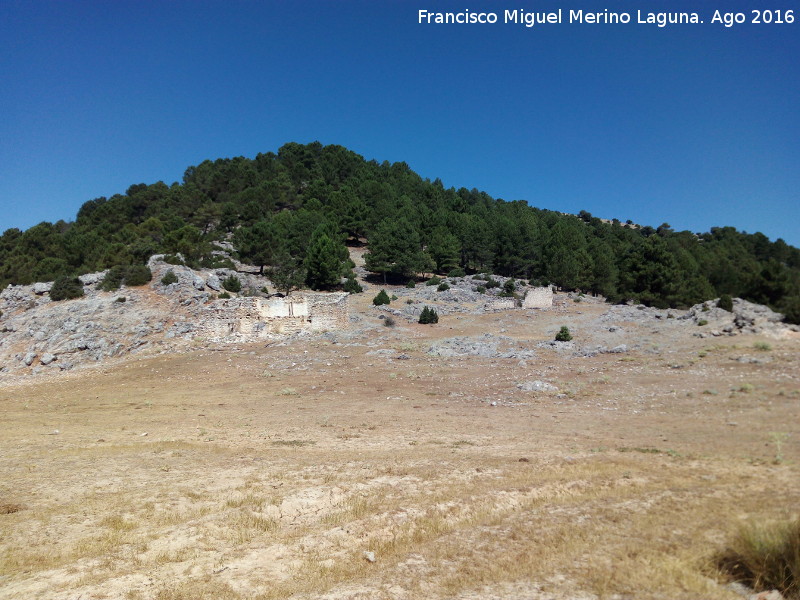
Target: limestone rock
<point x="47" y="358"/>
<point x="537" y="386"/>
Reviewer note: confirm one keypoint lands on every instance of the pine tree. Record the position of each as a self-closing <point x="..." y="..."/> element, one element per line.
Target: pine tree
<point x="323" y="265"/>
<point x="428" y="316"/>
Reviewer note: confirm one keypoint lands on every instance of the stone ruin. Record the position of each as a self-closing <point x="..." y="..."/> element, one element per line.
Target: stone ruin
<point x="539" y="297"/>
<point x="253" y="318"/>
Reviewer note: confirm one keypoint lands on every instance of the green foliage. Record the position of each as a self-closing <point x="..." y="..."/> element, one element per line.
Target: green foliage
<point x="172" y="259"/>
<point x="457" y="272"/>
<point x="352" y="286"/>
<point x="725" y="302"/>
<point x="129" y="275"/>
<point x="428" y="316"/>
<point x="563" y="334"/>
<point x="381" y="298"/>
<point x="389" y="322"/>
<point x="509" y="287"/>
<point x="66" y="288"/>
<point x="491" y="283"/>
<point x="443" y="287"/>
<point x="702" y="322"/>
<point x="169" y="278"/>
<point x="411" y="284"/>
<point x="121" y="299"/>
<point x="433" y="281"/>
<point x="224" y="296"/>
<point x="481" y="289"/>
<point x="232" y="284"/>
<point x="273" y="206"/>
<point x="325" y="259"/>
<point x="766" y="556"/>
<point x="287" y="273"/>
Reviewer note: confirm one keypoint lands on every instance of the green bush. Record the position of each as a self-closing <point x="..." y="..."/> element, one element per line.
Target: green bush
<point x="352" y="286"/>
<point x="172" y="259"/>
<point x="121" y="299"/>
<point x="492" y="283"/>
<point x="232" y="284"/>
<point x="224" y="296"/>
<point x="725" y="302"/>
<point x="66" y="288"/>
<point x="563" y="335"/>
<point x="381" y="298"/>
<point x="136" y="275"/>
<point x="428" y="316"/>
<point x="411" y="284"/>
<point x="443" y="287"/>
<point x="702" y="322"/>
<point x="766" y="556"/>
<point x="481" y="289"/>
<point x="130" y="275"/>
<point x="169" y="278"/>
<point x="388" y="322"/>
<point x="457" y="272"/>
<point x="433" y="281"/>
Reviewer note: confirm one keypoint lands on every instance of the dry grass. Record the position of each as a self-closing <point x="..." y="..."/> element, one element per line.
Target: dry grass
<point x="766" y="556"/>
<point x="624" y="487"/>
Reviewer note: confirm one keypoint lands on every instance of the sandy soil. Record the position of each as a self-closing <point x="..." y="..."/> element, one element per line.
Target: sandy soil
<point x="321" y="468"/>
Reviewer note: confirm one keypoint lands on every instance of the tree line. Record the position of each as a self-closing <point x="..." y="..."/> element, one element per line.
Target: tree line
<point x="295" y="211"/>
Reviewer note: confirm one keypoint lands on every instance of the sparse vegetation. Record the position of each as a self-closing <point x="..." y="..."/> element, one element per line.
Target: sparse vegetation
<point x="702" y="323"/>
<point x="389" y="322"/>
<point x="381" y="298"/>
<point x="232" y="284"/>
<point x="563" y="334"/>
<point x="762" y="346"/>
<point x="725" y="302"/>
<point x="224" y="296"/>
<point x="443" y="287"/>
<point x="766" y="556"/>
<point x="428" y="316"/>
<point x="129" y="275"/>
<point x="169" y="277"/>
<point x="433" y="281"/>
<point x="66" y="288"/>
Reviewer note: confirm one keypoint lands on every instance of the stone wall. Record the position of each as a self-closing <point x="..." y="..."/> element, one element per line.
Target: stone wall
<point x="540" y="297"/>
<point x="253" y="318"/>
<point x="500" y="303"/>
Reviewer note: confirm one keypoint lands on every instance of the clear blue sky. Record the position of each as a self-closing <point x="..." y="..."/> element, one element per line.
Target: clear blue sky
<point x="695" y="125"/>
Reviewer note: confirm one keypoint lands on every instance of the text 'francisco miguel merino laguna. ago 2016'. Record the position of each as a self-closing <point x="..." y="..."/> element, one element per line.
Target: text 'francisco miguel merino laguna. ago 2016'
<point x="530" y="18"/>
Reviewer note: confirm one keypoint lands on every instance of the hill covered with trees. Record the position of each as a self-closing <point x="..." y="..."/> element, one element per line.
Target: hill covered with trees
<point x="294" y="211"/>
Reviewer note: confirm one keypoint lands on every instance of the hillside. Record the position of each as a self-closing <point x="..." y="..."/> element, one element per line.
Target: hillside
<point x="295" y="209"/>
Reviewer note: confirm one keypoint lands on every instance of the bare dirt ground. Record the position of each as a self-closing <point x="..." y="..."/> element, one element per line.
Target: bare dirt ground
<point x="321" y="468"/>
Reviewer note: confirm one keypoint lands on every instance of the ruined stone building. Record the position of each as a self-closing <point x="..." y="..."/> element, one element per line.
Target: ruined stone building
<point x="252" y="318"/>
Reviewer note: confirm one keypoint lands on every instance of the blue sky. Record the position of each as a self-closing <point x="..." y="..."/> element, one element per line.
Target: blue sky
<point x="695" y="125"/>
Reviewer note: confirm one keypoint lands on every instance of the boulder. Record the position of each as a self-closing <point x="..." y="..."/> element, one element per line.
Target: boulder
<point x="42" y="288"/>
<point x="47" y="358"/>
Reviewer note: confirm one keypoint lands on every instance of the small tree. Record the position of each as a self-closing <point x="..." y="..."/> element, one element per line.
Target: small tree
<point x="725" y="302"/>
<point x="428" y="316"/>
<point x="169" y="278"/>
<point x="66" y="288"/>
<point x="352" y="286"/>
<point x="563" y="335"/>
<point x="232" y="284"/>
<point x="287" y="274"/>
<point x="381" y="298"/>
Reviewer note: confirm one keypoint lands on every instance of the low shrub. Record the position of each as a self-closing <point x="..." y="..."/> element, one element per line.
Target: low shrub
<point x="762" y="346"/>
<point x="433" y="281"/>
<point x="173" y="259"/>
<point x="129" y="275"/>
<point x="702" y="322"/>
<point x="411" y="284"/>
<point x="492" y="283"/>
<point x="389" y="322"/>
<point x="232" y="284"/>
<point x="481" y="289"/>
<point x="66" y="288"/>
<point x="563" y="335"/>
<point x="352" y="286"/>
<point x="428" y="316"/>
<point x="766" y="556"/>
<point x="443" y="287"/>
<point x="224" y="296"/>
<point x="381" y="298"/>
<point x="725" y="302"/>
<point x="169" y="278"/>
<point x="457" y="272"/>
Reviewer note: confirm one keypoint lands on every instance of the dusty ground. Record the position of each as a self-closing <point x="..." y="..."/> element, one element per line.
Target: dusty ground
<point x="269" y="471"/>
